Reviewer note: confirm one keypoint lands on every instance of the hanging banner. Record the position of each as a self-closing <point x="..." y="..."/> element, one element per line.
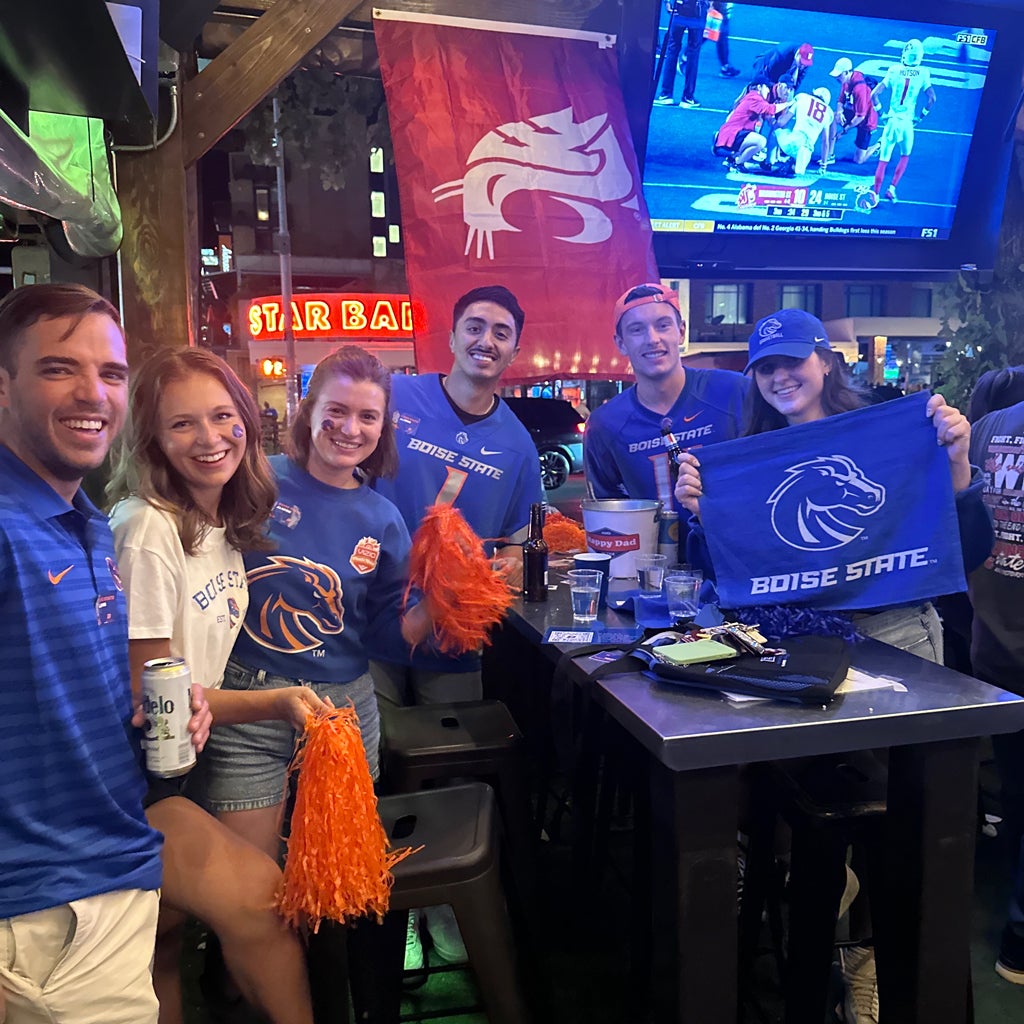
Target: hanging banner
<point x="853" y="511"/>
<point x="515" y="167"/>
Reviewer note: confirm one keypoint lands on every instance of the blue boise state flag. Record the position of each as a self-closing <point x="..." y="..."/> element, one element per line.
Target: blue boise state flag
<point x="852" y="511"/>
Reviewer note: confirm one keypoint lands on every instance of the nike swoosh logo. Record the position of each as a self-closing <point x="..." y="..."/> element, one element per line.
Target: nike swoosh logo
<point x="487" y="451"/>
<point x="56" y="578"/>
<point x="688" y="419"/>
<point x="818" y="340"/>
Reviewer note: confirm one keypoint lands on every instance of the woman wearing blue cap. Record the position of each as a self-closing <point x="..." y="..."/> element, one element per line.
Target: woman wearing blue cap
<point x="799" y="379"/>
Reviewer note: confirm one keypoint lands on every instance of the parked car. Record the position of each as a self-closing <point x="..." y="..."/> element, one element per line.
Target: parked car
<point x="557" y="431"/>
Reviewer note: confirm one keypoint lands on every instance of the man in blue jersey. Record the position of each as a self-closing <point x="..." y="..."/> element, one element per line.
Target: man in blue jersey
<point x="624" y="448"/>
<point x="79" y="866"/>
<point x="460" y="444"/>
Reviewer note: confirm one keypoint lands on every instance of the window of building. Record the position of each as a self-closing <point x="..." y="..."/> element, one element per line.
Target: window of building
<point x="380" y="245"/>
<point x="394" y="234"/>
<point x="801" y="296"/>
<point x="865" y="300"/>
<point x="921" y="297"/>
<point x="377" y="204"/>
<point x="262" y="196"/>
<point x="727" y="304"/>
<point x="376" y="160"/>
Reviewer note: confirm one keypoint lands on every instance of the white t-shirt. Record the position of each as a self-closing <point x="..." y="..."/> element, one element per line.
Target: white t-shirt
<point x="198" y="601"/>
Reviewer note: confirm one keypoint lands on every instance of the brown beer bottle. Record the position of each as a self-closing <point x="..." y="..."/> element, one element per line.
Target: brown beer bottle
<point x="535" y="558"/>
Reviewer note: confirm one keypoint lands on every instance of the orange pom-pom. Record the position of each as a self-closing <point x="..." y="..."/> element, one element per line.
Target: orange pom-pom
<point x="563" y="534"/>
<point x="338" y="863"/>
<point x="465" y="595"/>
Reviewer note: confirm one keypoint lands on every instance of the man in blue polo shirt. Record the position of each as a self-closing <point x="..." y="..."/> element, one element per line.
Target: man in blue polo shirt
<point x="79" y="866"/>
<point x="624" y="451"/>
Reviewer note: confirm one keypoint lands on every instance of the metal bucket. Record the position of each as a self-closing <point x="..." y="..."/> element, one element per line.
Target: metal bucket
<point x="622" y="528"/>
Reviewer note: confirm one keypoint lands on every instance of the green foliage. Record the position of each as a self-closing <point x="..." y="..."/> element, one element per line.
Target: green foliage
<point x="984" y="321"/>
<point x="327" y="120"/>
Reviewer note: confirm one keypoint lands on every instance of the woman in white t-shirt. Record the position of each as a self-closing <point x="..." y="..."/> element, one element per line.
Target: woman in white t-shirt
<point x="193" y="490"/>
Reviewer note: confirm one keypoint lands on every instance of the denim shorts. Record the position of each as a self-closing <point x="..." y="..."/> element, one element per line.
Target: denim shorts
<point x="245" y="767"/>
<point x="916" y="629"/>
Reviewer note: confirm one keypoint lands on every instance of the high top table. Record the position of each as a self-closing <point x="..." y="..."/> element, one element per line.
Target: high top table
<point x="697" y="742"/>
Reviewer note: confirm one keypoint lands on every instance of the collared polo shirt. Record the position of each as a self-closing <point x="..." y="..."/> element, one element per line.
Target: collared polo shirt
<point x="71" y="785"/>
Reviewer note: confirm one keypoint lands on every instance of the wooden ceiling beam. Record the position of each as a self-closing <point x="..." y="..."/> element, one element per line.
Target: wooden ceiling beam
<point x="233" y="83"/>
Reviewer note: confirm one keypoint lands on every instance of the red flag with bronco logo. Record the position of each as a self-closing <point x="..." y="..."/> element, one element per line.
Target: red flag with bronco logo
<point x="515" y="167"/>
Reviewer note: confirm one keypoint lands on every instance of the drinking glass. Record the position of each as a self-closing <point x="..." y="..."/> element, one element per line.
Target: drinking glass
<point x="650" y="571"/>
<point x="585" y="590"/>
<point x="682" y="593"/>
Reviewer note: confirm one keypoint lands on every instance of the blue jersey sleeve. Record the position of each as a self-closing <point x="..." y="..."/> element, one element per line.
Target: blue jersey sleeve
<point x="528" y="491"/>
<point x="599" y="466"/>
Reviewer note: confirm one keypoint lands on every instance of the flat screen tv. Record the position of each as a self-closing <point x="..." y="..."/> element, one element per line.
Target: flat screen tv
<point x="890" y="157"/>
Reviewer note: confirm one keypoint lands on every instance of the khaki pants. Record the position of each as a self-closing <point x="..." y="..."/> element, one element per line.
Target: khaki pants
<point x="84" y="962"/>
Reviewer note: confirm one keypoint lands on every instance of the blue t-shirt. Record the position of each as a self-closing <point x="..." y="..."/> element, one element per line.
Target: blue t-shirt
<point x="338" y="564"/>
<point x="489" y="470"/>
<point x="624" y="451"/>
<point x="71" y="788"/>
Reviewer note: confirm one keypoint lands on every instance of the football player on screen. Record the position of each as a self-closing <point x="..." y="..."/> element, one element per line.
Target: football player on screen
<point x="906" y="82"/>
<point x="811" y="121"/>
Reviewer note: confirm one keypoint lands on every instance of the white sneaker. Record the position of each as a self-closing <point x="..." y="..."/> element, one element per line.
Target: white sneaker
<point x="413" y="944"/>
<point x="444" y="934"/>
<point x="858" y="967"/>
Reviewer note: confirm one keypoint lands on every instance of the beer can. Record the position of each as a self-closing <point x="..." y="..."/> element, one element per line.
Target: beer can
<point x="166" y="703"/>
<point x="668" y="534"/>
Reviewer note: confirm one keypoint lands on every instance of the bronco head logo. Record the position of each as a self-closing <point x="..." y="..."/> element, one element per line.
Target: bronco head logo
<point x="813" y="506"/>
<point x="578" y="164"/>
<point x="295" y="617"/>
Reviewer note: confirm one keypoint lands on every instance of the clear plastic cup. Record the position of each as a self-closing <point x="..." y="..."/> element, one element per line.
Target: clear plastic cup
<point x="585" y="591"/>
<point x="683" y="595"/>
<point x="650" y="571"/>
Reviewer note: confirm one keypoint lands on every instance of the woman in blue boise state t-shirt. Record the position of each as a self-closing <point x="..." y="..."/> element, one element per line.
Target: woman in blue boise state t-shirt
<point x="337" y="563"/>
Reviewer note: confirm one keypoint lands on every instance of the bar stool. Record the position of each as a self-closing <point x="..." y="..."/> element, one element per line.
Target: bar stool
<point x="432" y="743"/>
<point x="829" y="803"/>
<point x="459" y="864"/>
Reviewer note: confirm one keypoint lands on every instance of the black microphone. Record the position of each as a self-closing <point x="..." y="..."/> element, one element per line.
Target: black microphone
<point x="672" y="445"/>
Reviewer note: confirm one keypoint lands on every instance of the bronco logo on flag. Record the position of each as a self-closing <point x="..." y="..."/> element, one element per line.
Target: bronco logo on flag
<point x="515" y="166"/>
<point x="853" y="511"/>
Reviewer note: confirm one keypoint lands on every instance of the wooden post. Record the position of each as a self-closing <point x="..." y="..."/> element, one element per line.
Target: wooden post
<point x="160" y="253"/>
<point x="157" y="189"/>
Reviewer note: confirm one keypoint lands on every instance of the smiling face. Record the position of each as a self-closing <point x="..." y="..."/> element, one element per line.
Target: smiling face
<point x="484" y="342"/>
<point x="345" y="423"/>
<point x="793" y="386"/>
<point x="650" y="336"/>
<point x="201" y="435"/>
<point x="66" y="400"/>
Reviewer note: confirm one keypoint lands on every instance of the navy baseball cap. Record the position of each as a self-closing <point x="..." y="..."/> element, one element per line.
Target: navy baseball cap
<point x="789" y="332"/>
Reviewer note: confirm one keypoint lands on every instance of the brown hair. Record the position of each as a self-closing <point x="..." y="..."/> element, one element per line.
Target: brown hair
<point x="838" y="394"/>
<point x="142" y="469"/>
<point x="358" y="365"/>
<point x="30" y="303"/>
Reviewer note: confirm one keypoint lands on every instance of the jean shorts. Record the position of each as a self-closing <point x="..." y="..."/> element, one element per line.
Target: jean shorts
<point x="245" y="766"/>
<point x="916" y="629"/>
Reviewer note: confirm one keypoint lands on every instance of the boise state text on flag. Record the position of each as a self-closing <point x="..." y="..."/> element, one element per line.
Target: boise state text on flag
<point x="515" y="166"/>
<point x="853" y="511"/>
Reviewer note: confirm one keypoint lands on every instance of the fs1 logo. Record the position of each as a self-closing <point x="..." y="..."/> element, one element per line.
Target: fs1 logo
<point x="578" y="164"/>
<point x="816" y="507"/>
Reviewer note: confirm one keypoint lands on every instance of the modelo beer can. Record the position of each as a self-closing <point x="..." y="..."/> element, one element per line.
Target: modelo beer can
<point x="167" y="705"/>
<point x="668" y="534"/>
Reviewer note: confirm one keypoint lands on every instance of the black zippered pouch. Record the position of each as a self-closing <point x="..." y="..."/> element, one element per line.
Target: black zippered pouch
<point x="808" y="671"/>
